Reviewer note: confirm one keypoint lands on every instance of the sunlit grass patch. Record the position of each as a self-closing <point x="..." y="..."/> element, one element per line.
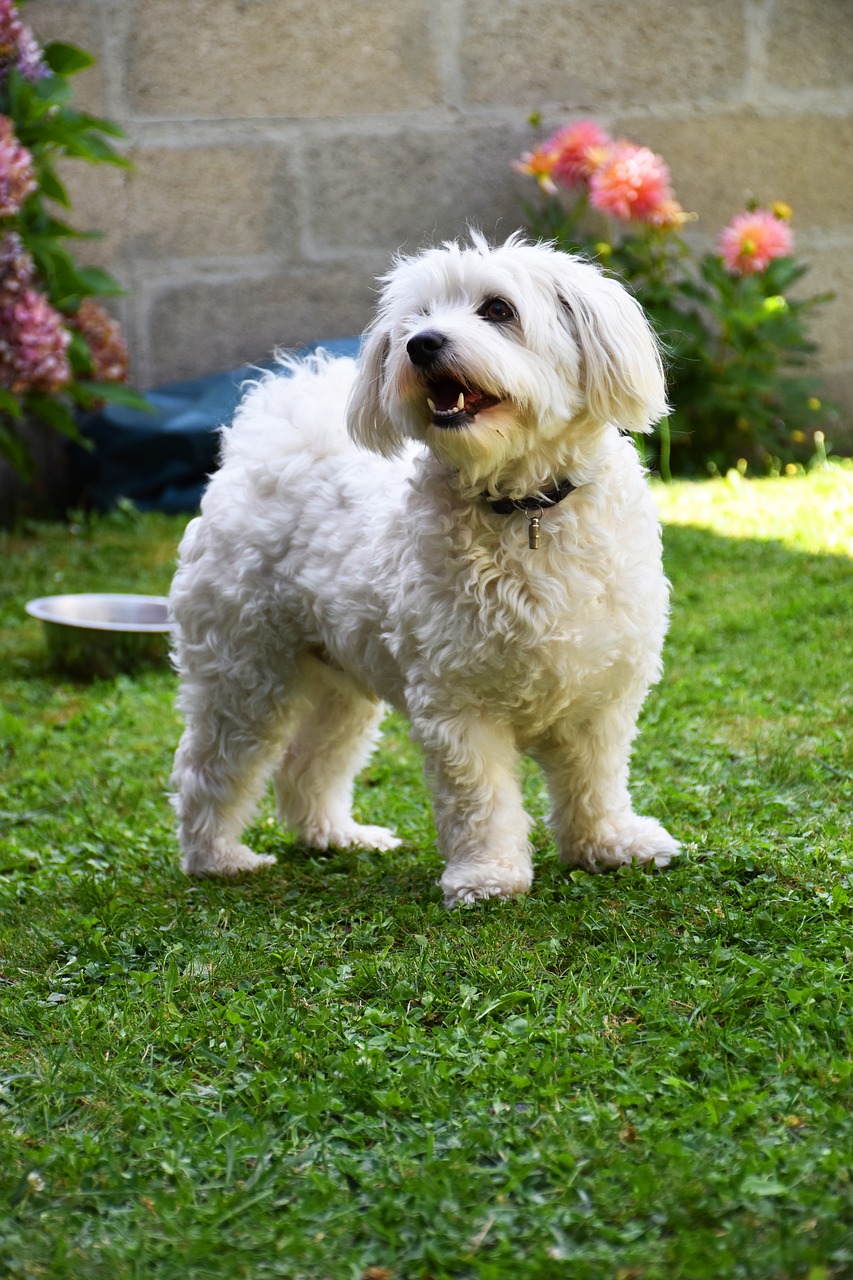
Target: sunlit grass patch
<point x="806" y="512"/>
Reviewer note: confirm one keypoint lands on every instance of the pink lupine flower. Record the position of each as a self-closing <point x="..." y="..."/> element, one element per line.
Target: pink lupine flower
<point x="104" y="339"/>
<point x="31" y="63"/>
<point x="568" y="157"/>
<point x="18" y="45"/>
<point x="632" y="183"/>
<point x="17" y="179"/>
<point x="16" y="267"/>
<point x="33" y="344"/>
<point x="753" y="239"/>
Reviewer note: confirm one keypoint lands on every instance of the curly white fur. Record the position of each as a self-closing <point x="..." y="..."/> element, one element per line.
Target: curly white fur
<point x="321" y="578"/>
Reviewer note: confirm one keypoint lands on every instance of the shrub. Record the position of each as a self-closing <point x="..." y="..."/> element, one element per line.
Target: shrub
<point x="736" y="341"/>
<point x="59" y="349"/>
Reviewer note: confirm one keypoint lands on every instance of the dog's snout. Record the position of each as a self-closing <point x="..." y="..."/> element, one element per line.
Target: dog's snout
<point x="425" y="346"/>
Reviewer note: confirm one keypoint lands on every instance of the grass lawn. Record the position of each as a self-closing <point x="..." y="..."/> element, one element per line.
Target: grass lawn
<point x="320" y="1073"/>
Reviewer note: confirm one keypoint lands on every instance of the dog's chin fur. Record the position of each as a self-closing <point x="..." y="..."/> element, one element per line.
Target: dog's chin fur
<point x="330" y="573"/>
<point x="489" y="455"/>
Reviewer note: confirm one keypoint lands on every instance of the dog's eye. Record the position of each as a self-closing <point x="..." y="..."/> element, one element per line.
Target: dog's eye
<point x="496" y="310"/>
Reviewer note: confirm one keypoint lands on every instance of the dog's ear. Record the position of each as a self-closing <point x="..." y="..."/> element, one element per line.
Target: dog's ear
<point x="623" y="374"/>
<point x="367" y="420"/>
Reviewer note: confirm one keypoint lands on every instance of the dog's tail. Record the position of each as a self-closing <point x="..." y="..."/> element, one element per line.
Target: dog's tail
<point x="298" y="408"/>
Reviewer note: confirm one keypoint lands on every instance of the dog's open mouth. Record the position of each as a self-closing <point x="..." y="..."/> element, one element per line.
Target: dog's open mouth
<point x="452" y="404"/>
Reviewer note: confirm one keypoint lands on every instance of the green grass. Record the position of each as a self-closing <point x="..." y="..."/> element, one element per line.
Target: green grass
<point x="321" y="1073"/>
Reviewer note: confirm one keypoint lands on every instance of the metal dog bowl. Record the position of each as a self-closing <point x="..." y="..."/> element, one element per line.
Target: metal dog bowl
<point x="100" y="635"/>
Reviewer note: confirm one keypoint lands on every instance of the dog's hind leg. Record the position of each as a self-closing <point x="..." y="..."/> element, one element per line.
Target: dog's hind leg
<point x="314" y="778"/>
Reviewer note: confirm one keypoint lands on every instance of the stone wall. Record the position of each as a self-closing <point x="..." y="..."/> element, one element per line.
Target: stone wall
<point x="285" y="148"/>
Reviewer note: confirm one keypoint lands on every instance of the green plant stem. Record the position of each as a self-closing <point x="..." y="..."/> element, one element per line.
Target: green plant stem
<point x="665" y="438"/>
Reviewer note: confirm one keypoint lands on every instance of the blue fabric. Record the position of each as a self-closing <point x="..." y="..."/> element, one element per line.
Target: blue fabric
<point x="161" y="460"/>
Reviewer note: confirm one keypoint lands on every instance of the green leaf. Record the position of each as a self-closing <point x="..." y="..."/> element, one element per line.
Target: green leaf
<point x="67" y="59"/>
<point x="98" y="283"/>
<point x="81" y="137"/>
<point x="56" y="266"/>
<point x="53" y="92"/>
<point x="9" y="403"/>
<point x="782" y="273"/>
<point x="102" y="125"/>
<point x="53" y="412"/>
<point x="510" y="1000"/>
<point x="756" y="1185"/>
<point x="15" y="451"/>
<point x="67" y="282"/>
<point x="115" y="393"/>
<point x="53" y="188"/>
<point x="52" y="228"/>
<point x="79" y="354"/>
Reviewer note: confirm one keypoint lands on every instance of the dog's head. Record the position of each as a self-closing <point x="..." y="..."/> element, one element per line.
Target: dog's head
<point x="494" y="355"/>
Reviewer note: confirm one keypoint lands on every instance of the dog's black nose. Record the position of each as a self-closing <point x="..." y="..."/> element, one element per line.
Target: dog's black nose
<point x="425" y="346"/>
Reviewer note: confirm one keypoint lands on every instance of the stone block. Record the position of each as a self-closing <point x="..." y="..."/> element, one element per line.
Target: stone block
<point x="838" y="387"/>
<point x="247" y="58"/>
<point x="719" y="162"/>
<point x="830" y="271"/>
<point x="204" y="202"/>
<point x="810" y="46"/>
<point x="99" y="203"/>
<point x="195" y="328"/>
<point x="830" y="326"/>
<point x="414" y="187"/>
<point x="570" y="51"/>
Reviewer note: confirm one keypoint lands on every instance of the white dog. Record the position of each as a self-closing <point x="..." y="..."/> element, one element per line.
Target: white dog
<point x="495" y="573"/>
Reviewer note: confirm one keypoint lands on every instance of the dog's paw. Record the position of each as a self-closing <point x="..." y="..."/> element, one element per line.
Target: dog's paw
<point x="473" y="881"/>
<point x="378" y="838"/>
<point x="367" y="837"/>
<point x="354" y="835"/>
<point x="225" y="860"/>
<point x="641" y="840"/>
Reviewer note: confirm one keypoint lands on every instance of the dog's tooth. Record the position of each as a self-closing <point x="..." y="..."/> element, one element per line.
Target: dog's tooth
<point x="431" y="405"/>
<point x="460" y="403"/>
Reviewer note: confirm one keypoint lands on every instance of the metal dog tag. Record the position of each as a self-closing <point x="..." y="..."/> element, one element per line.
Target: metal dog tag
<point x="533" y="532"/>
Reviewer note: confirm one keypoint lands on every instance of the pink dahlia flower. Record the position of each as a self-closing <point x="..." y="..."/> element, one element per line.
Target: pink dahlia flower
<point x="753" y="239"/>
<point x="539" y="164"/>
<point x="18" y="45"/>
<point x="17" y="179"/>
<point x="568" y="157"/>
<point x="669" y="213"/>
<point x="579" y="149"/>
<point x="33" y="344"/>
<point x="633" y="183"/>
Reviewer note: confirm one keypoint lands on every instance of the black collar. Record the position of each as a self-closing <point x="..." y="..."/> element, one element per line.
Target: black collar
<point x="539" y="501"/>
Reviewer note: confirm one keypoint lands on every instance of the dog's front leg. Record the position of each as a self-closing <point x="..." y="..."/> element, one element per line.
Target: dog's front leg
<point x="471" y="765"/>
<point x="592" y="816"/>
